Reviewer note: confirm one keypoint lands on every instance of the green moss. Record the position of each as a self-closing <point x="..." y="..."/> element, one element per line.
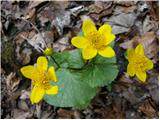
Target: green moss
<point x="7" y="52"/>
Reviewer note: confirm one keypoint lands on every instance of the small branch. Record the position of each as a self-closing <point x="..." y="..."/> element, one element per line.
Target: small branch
<point x="35" y="29"/>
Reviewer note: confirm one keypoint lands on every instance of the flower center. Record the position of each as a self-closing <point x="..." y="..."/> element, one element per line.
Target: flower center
<point x="97" y="40"/>
<point x="43" y="80"/>
<point x="140" y="63"/>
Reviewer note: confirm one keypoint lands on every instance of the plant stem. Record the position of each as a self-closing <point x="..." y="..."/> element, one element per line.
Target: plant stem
<point x="55" y="62"/>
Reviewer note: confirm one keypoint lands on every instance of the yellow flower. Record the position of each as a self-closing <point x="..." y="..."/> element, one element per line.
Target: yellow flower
<point x="40" y="76"/>
<point x="95" y="41"/>
<point x="138" y="63"/>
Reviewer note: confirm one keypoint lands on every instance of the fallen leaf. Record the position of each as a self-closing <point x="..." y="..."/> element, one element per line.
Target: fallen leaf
<point x="100" y="9"/>
<point x="23" y="105"/>
<point x="12" y="82"/>
<point x="19" y="114"/>
<point x="122" y="9"/>
<point x="147" y="109"/>
<point x="25" y="95"/>
<point x="68" y="114"/>
<point x="121" y="23"/>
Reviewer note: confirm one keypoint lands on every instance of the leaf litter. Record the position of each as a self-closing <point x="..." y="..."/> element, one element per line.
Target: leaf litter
<point x="28" y="25"/>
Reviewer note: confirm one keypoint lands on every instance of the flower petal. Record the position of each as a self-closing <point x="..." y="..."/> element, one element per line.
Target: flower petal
<point x="88" y="27"/>
<point x="149" y="64"/>
<point x="52" y="74"/>
<point x="105" y="29"/>
<point x="130" y="70"/>
<point x="141" y="75"/>
<point x="27" y="71"/>
<point x="139" y="49"/>
<point x="107" y="52"/>
<point x="109" y="38"/>
<point x="42" y="63"/>
<point x="52" y="90"/>
<point x="37" y="94"/>
<point x="130" y="54"/>
<point x="35" y="77"/>
<point x="89" y="52"/>
<point x="79" y="42"/>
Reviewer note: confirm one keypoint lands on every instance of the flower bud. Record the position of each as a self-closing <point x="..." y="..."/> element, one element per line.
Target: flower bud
<point x="48" y="51"/>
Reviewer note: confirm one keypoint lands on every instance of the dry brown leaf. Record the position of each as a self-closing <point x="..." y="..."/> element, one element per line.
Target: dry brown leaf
<point x="122" y="9"/>
<point x="25" y="94"/>
<point x="150" y="45"/>
<point x="12" y="82"/>
<point x="100" y="9"/>
<point x="19" y="114"/>
<point x="147" y="109"/>
<point x="35" y="3"/>
<point x="67" y="114"/>
<point x="121" y="22"/>
<point x="23" y="105"/>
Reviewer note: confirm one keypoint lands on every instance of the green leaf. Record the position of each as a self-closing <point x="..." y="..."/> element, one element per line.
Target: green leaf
<point x="69" y="59"/>
<point x="72" y="91"/>
<point x="100" y="72"/>
<point x="109" y="87"/>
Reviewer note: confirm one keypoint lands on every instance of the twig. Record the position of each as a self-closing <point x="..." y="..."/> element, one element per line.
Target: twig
<point x="35" y="29"/>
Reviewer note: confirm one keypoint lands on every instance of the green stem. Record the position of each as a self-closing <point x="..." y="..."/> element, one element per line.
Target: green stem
<point x="55" y="62"/>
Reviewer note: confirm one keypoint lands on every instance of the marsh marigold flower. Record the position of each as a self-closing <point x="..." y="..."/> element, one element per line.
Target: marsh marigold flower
<point x="95" y="41"/>
<point x="138" y="63"/>
<point x="40" y="76"/>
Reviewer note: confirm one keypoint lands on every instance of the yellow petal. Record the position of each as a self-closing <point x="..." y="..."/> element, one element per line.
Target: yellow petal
<point x="52" y="74"/>
<point x="107" y="52"/>
<point x="139" y="49"/>
<point x="149" y="64"/>
<point x="35" y="77"/>
<point x="37" y="94"/>
<point x="27" y="71"/>
<point x="88" y="27"/>
<point x="42" y="63"/>
<point x="105" y="29"/>
<point x="52" y="90"/>
<point x="130" y="54"/>
<point x="79" y="42"/>
<point x="130" y="70"/>
<point x="141" y="75"/>
<point x="89" y="52"/>
<point x="109" y="38"/>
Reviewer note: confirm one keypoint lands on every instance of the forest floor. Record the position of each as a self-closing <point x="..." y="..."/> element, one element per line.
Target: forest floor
<point x="23" y="24"/>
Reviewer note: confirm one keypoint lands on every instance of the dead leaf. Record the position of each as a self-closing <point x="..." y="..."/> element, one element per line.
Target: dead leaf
<point x="19" y="114"/>
<point x="62" y="43"/>
<point x="153" y="85"/>
<point x="126" y="3"/>
<point x="121" y="23"/>
<point x="25" y="95"/>
<point x="100" y="9"/>
<point x="23" y="54"/>
<point x="12" y="82"/>
<point x="147" y="109"/>
<point x="68" y="114"/>
<point x="33" y="4"/>
<point x="150" y="45"/>
<point x="23" y="105"/>
<point x="122" y="9"/>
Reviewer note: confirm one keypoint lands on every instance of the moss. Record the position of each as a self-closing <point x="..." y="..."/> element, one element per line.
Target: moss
<point x="7" y="52"/>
